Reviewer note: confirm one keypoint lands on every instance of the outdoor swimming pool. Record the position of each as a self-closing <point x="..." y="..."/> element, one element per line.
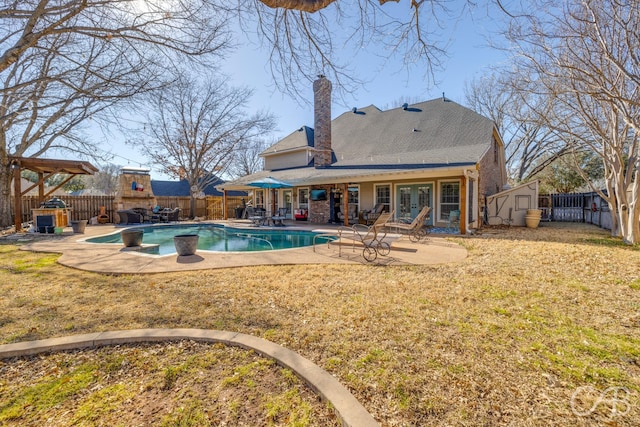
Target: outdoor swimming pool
<point x="216" y="237"/>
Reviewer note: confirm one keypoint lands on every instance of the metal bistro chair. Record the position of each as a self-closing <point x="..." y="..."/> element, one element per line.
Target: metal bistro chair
<point x="278" y="220"/>
<point x="257" y="217"/>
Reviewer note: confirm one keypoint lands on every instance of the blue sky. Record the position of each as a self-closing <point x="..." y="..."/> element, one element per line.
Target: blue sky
<point x="468" y="56"/>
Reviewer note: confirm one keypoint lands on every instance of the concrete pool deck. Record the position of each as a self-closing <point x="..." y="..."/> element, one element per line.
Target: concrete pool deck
<point x="114" y="258"/>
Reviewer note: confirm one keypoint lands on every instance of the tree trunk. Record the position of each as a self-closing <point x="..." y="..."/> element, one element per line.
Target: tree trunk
<point x="6" y="219"/>
<point x="192" y="207"/>
<point x="629" y="215"/>
<point x="625" y="210"/>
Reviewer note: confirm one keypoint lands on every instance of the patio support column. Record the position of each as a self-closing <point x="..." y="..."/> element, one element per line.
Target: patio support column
<point x="40" y="187"/>
<point x="17" y="197"/>
<point x="345" y="203"/>
<point x="224" y="205"/>
<point x="463" y="205"/>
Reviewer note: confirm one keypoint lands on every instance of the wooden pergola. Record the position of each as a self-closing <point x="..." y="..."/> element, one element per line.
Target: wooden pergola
<point x="45" y="168"/>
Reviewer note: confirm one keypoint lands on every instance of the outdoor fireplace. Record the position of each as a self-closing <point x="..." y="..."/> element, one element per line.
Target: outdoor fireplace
<point x="134" y="189"/>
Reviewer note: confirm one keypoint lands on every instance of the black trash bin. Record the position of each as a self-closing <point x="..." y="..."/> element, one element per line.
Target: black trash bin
<point x="239" y="212"/>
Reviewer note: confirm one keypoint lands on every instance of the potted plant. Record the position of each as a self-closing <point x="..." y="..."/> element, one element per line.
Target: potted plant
<point x="186" y="244"/>
<point x="78" y="225"/>
<point x="131" y="237"/>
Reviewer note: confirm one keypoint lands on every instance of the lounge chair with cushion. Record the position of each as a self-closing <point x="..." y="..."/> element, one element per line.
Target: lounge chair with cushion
<point x="352" y="213"/>
<point x="415" y="229"/>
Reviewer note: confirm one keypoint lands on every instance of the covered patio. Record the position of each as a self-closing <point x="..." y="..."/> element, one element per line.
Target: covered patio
<point x="45" y="168"/>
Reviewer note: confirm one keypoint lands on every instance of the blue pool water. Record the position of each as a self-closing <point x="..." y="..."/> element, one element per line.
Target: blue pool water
<point x="215" y="237"/>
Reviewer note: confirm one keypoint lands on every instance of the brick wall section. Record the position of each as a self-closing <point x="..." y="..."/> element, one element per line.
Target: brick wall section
<point x="492" y="172"/>
<point x="319" y="209"/>
<point x="322" y="121"/>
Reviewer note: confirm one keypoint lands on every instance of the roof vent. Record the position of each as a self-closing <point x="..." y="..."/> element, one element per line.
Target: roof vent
<point x="354" y="109"/>
<point x="405" y="106"/>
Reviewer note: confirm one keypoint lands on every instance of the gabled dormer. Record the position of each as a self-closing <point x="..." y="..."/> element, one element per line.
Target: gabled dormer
<point x="293" y="151"/>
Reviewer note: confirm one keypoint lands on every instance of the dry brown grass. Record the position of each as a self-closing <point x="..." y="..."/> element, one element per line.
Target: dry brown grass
<point x="503" y="338"/>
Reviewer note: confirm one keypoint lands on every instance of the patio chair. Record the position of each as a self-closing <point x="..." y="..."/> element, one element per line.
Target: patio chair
<point x="370" y="216"/>
<point x="172" y="215"/>
<point x="257" y="217"/>
<point x="371" y="238"/>
<point x="415" y="229"/>
<point x="454" y="219"/>
<point x="278" y="219"/>
<point x="128" y="216"/>
<point x="352" y="213"/>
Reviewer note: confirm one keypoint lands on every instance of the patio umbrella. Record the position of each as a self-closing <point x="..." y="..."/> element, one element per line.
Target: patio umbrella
<point x="272" y="184"/>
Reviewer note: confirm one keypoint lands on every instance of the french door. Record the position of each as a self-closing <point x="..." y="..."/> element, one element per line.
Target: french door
<point x="411" y="198"/>
<point x="287" y="200"/>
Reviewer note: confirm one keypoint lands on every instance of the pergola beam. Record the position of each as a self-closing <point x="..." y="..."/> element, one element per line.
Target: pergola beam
<point x="45" y="168"/>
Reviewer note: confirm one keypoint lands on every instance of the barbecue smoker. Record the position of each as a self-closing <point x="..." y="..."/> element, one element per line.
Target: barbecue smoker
<point x="50" y="215"/>
<point x="54" y="203"/>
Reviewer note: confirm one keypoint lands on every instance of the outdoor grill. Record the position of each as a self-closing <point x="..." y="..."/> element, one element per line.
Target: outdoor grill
<point x="54" y="203"/>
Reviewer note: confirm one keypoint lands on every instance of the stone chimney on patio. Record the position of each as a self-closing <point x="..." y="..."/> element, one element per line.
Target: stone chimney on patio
<point x="134" y="189"/>
<point x="322" y="121"/>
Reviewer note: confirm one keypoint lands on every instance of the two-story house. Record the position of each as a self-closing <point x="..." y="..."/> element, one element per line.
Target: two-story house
<point x="436" y="153"/>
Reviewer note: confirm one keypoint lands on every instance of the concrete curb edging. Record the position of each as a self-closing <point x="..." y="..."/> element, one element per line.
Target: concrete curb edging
<point x="348" y="409"/>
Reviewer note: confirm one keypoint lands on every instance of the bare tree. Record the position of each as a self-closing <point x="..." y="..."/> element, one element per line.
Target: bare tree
<point x="105" y="180"/>
<point x="584" y="57"/>
<point x="303" y="42"/>
<point x="530" y="146"/>
<point x="196" y="128"/>
<point x="62" y="63"/>
<point x="246" y="158"/>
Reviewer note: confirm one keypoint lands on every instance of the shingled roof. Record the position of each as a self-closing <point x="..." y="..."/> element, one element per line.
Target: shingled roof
<point x="369" y="144"/>
<point x="428" y="134"/>
<point x="182" y="189"/>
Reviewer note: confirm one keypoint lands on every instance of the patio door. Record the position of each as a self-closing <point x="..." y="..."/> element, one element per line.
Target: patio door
<point x="287" y="202"/>
<point x="411" y="198"/>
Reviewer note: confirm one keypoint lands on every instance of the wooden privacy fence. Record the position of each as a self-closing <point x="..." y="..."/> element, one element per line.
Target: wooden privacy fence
<point x="209" y="207"/>
<point x="235" y="205"/>
<point x="577" y="207"/>
<point x="82" y="207"/>
<point x="86" y="207"/>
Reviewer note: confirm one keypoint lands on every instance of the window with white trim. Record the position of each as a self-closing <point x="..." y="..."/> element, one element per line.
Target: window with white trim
<point x="303" y="198"/>
<point x="449" y="198"/>
<point x="259" y="194"/>
<point x="383" y="195"/>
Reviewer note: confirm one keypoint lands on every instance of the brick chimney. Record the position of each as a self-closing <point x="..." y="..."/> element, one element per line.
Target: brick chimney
<point x="322" y="121"/>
